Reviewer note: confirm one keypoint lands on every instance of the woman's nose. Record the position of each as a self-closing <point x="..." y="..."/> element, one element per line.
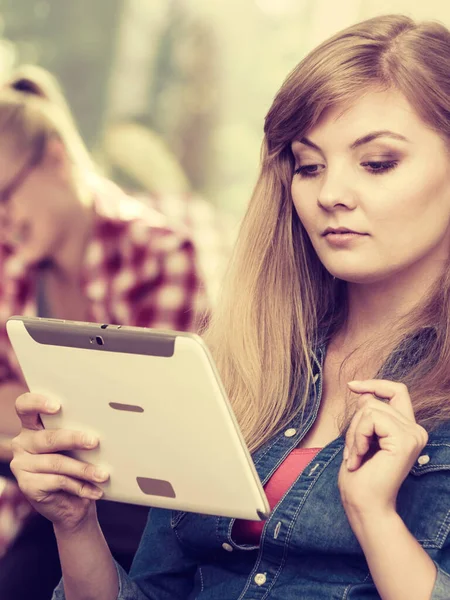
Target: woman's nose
<point x="336" y="192"/>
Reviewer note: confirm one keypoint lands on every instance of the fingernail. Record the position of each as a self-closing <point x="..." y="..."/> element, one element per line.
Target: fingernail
<point x="96" y="494"/>
<point x="52" y="405"/>
<point x="356" y="382"/>
<point x="89" y="440"/>
<point x="101" y="474"/>
<point x="346" y="452"/>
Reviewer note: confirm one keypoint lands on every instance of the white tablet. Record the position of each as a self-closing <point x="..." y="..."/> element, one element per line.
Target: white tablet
<point x="167" y="433"/>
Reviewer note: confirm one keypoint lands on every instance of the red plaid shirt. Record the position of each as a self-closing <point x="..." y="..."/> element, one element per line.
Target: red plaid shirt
<point x="212" y="230"/>
<point x="140" y="269"/>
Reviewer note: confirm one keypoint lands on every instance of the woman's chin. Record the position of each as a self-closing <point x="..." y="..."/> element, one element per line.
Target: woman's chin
<point x="358" y="277"/>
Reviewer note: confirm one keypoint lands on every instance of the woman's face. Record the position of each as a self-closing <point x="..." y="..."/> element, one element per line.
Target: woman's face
<point x="378" y="170"/>
<point x="33" y="204"/>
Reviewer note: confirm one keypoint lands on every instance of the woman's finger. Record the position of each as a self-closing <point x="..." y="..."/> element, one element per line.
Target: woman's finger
<point x="29" y="406"/>
<point x="389" y="432"/>
<point x="39" y="487"/>
<point x="372" y="423"/>
<point x="58" y="464"/>
<point x="370" y="401"/>
<point x="366" y="401"/>
<point x="396" y="393"/>
<point x="47" y="441"/>
<point x="350" y="435"/>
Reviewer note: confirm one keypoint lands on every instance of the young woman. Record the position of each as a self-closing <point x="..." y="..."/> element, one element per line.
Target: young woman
<point x="332" y="339"/>
<point x="73" y="246"/>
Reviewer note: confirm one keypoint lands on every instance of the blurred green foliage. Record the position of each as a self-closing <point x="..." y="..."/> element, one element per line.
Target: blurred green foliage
<point x="74" y="39"/>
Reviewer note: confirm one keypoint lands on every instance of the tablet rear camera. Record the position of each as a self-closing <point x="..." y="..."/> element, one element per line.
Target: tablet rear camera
<point x="99" y="340"/>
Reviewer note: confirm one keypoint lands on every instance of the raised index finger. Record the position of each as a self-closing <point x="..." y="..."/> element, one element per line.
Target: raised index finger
<point x="29" y="406"/>
<point x="396" y="393"/>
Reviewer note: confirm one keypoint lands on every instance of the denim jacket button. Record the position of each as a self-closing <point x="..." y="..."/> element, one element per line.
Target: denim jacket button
<point x="227" y="547"/>
<point x="260" y="578"/>
<point x="290" y="432"/>
<point x="424" y="459"/>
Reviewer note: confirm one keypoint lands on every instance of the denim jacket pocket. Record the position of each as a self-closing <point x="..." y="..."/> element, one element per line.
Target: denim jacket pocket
<point x="424" y="498"/>
<point x="195" y="532"/>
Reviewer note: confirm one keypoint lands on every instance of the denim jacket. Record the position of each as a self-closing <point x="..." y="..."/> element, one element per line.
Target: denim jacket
<point x="308" y="550"/>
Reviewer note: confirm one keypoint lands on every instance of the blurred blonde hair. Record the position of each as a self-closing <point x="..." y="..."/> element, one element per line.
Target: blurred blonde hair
<point x="32" y="110"/>
<point x="277" y="295"/>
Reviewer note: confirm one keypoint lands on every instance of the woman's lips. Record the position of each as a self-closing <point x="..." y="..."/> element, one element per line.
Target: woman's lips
<point x="343" y="238"/>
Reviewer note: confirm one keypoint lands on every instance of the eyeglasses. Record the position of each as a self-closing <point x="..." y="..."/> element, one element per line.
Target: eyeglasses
<point x="21" y="176"/>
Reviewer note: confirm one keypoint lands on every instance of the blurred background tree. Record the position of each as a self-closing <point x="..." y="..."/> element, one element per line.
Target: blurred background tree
<point x="174" y="112"/>
<point x="75" y="40"/>
<point x="171" y="94"/>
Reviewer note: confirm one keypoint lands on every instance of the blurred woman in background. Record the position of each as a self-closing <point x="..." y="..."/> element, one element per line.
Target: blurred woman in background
<point x="74" y="246"/>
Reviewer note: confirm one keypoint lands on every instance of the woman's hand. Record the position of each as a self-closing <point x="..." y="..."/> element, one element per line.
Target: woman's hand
<point x="381" y="446"/>
<point x="59" y="487"/>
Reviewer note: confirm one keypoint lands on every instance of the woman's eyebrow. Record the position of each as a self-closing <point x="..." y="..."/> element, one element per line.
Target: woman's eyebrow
<point x="375" y="135"/>
<point x="362" y="140"/>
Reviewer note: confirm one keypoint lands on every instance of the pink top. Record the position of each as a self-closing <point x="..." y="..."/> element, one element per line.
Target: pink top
<point x="249" y="532"/>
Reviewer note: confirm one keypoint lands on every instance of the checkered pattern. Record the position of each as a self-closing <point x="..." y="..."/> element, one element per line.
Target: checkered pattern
<point x="212" y="230"/>
<point x="142" y="268"/>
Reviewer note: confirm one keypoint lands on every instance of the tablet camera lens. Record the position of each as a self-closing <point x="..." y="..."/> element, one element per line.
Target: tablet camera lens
<point x="99" y="340"/>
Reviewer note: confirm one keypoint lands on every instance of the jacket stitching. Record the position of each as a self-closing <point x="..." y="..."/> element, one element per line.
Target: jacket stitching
<point x="202" y="584"/>
<point x="174" y="520"/>
<point x="348" y="589"/>
<point x="439" y="539"/>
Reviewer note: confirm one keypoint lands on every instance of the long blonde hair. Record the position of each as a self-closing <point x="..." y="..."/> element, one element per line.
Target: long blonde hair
<point x="277" y="295"/>
<point x="32" y="110"/>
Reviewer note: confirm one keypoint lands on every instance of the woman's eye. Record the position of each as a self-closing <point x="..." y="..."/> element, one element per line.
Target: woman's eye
<point x="308" y="171"/>
<point x="377" y="167"/>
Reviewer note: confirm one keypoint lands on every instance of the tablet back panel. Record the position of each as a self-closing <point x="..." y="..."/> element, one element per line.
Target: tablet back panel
<point x="167" y="434"/>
